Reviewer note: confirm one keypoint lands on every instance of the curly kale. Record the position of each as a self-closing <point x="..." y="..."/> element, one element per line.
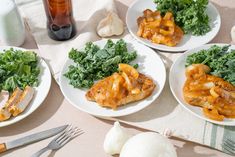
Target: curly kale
<point x="221" y="60"/>
<point x="18" y="69"/>
<point x="94" y="63"/>
<point x="190" y="15"/>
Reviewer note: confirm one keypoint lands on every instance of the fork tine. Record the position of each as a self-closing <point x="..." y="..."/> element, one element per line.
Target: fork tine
<point x="71" y="137"/>
<point x="79" y="132"/>
<point x="66" y="134"/>
<point x="69" y="134"/>
<point x="63" y="134"/>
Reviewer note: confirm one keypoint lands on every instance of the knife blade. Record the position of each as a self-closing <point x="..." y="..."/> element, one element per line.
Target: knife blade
<point x="31" y="138"/>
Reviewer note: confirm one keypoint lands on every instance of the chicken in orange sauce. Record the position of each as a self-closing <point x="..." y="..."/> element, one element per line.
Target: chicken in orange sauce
<point x="121" y="88"/>
<point x="215" y="95"/>
<point x="158" y="29"/>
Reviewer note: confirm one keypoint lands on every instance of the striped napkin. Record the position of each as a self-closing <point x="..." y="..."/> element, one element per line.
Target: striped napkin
<point x="164" y="114"/>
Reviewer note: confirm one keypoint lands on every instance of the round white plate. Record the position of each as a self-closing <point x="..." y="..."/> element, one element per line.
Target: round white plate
<point x="150" y="64"/>
<point x="177" y="79"/>
<point x="40" y="92"/>
<point x="188" y="41"/>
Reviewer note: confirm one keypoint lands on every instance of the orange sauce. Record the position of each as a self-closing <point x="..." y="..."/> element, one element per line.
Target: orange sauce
<point x="215" y="95"/>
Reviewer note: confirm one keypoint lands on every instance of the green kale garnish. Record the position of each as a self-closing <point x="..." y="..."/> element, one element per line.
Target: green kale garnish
<point x="190" y="15"/>
<point x="94" y="63"/>
<point x="18" y="69"/>
<point x="221" y="60"/>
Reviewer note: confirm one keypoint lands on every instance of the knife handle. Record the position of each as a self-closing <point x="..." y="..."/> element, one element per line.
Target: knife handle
<point x="3" y="148"/>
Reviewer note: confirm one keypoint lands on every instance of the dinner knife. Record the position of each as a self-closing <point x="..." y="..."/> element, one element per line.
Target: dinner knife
<point x="31" y="138"/>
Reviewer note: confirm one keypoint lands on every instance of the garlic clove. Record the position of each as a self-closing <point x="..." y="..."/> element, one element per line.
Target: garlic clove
<point x="233" y="34"/>
<point x="115" y="139"/>
<point x="110" y="25"/>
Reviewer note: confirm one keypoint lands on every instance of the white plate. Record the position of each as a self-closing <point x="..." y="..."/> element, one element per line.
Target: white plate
<point x="188" y="41"/>
<point x="149" y="64"/>
<point x="177" y="79"/>
<point x="40" y="92"/>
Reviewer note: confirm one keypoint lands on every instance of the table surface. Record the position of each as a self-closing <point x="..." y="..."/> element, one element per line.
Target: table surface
<point x="56" y="111"/>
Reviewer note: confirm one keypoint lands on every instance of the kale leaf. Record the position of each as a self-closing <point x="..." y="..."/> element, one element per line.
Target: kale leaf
<point x="190" y="15"/>
<point x="221" y="60"/>
<point x="18" y="69"/>
<point x="94" y="63"/>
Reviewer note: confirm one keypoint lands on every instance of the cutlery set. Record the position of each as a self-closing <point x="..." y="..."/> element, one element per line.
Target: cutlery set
<point x="65" y="134"/>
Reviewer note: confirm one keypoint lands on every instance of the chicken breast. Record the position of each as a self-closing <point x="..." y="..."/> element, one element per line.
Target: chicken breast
<point x="23" y="101"/>
<point x="215" y="95"/>
<point x="120" y="89"/>
<point x="4" y="96"/>
<point x="17" y="103"/>
<point x="4" y="111"/>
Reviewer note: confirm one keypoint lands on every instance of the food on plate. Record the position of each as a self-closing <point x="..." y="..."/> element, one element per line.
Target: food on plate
<point x="159" y="29"/>
<point x="220" y="59"/>
<point x="18" y="69"/>
<point x="94" y="63"/>
<point x="19" y="73"/>
<point x="213" y="94"/>
<point x="17" y="103"/>
<point x="210" y="82"/>
<point x="115" y="139"/>
<point x="190" y="15"/>
<point x="128" y="85"/>
<point x="110" y="25"/>
<point x="148" y="144"/>
<point x="4" y="96"/>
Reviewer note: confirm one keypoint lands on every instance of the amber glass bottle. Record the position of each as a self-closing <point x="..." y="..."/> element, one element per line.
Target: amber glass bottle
<point x="60" y="21"/>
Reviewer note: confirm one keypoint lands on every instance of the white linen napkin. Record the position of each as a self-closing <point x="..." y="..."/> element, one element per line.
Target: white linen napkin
<point x="87" y="14"/>
<point x="164" y="114"/>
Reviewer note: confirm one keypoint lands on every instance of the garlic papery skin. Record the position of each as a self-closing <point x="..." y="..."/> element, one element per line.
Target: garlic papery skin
<point x="233" y="34"/>
<point x="110" y="25"/>
<point x="115" y="139"/>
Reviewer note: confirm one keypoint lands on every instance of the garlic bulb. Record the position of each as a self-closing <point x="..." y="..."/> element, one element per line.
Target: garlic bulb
<point x="233" y="34"/>
<point x="115" y="139"/>
<point x="110" y="25"/>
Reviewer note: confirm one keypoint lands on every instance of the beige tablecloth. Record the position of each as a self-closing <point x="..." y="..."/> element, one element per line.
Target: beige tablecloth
<point x="146" y="118"/>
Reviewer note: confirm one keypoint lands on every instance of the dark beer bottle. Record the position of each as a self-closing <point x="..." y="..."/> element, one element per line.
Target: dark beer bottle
<point x="60" y="21"/>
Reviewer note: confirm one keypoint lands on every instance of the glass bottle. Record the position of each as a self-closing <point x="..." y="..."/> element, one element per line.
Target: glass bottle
<point x="12" y="28"/>
<point x="60" y="21"/>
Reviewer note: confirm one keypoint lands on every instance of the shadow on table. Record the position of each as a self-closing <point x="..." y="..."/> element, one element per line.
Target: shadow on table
<point x="38" y="117"/>
<point x="227" y="14"/>
<point x="188" y="148"/>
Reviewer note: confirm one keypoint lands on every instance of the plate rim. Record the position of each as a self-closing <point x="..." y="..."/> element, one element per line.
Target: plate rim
<point x="120" y="114"/>
<point x="202" y="117"/>
<point x="166" y="49"/>
<point x="13" y="121"/>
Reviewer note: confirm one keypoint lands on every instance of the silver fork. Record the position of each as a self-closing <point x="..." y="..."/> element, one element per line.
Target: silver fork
<point x="60" y="140"/>
<point x="229" y="146"/>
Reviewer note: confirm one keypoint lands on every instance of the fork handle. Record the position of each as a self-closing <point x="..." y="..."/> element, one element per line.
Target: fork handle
<point x="40" y="152"/>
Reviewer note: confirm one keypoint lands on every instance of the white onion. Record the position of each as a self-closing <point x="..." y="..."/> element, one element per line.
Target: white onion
<point x="148" y="144"/>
